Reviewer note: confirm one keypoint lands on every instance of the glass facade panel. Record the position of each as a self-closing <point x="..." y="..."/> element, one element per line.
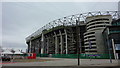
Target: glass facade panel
<point x="117" y="46"/>
<point x="114" y="31"/>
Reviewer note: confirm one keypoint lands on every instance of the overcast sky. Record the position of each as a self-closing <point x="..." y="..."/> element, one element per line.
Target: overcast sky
<point x="20" y="19"/>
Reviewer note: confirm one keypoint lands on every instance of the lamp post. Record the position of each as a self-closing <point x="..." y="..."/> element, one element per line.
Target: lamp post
<point x="77" y="42"/>
<point x="109" y="47"/>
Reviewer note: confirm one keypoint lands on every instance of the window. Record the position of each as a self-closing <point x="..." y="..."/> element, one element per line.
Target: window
<point x="90" y="33"/>
<point x="97" y="20"/>
<point x="98" y="23"/>
<point x="91" y="40"/>
<point x="90" y="27"/>
<point x="91" y="48"/>
<point x="91" y="51"/>
<point x="91" y="43"/>
<point x="117" y="46"/>
<point x="89" y="36"/>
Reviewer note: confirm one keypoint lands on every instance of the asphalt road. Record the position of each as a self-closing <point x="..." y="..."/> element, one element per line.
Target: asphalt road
<point x="66" y="63"/>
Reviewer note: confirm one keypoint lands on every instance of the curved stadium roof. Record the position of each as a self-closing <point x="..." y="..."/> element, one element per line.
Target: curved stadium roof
<point x="71" y="20"/>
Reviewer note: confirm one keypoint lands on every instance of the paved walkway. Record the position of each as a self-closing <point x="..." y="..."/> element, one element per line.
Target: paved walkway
<point x="69" y="62"/>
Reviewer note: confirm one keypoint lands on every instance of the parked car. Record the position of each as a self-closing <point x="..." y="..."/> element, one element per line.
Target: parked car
<point x="6" y="58"/>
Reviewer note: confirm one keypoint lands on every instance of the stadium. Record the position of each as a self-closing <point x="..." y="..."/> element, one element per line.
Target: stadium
<point x="92" y="33"/>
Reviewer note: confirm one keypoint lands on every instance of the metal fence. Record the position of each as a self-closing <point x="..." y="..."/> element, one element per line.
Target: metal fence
<point x="82" y="56"/>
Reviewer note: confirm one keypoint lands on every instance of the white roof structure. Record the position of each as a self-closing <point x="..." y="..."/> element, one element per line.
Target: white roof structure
<point x="7" y="51"/>
<point x="18" y="53"/>
<point x="11" y="52"/>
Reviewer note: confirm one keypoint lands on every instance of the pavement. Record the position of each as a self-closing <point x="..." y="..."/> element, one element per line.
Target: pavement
<point x="68" y="62"/>
<point x="59" y="67"/>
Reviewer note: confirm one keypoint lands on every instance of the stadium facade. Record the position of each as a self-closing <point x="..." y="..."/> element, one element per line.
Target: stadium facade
<point x="60" y="36"/>
<point x="93" y="35"/>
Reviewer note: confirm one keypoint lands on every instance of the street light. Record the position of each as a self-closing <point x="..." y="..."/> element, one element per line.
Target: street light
<point x="77" y="42"/>
<point x="109" y="47"/>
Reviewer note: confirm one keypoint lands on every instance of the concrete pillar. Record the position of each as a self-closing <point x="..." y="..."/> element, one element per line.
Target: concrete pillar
<point x="30" y="47"/>
<point x="34" y="44"/>
<point x="42" y="44"/>
<point x="61" y="42"/>
<point x="47" y="45"/>
<point x="56" y="42"/>
<point x="66" y="41"/>
<point x="113" y="45"/>
<point x="41" y="50"/>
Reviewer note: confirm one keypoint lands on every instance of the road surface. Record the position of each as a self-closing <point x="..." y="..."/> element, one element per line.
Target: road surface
<point x="68" y="62"/>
